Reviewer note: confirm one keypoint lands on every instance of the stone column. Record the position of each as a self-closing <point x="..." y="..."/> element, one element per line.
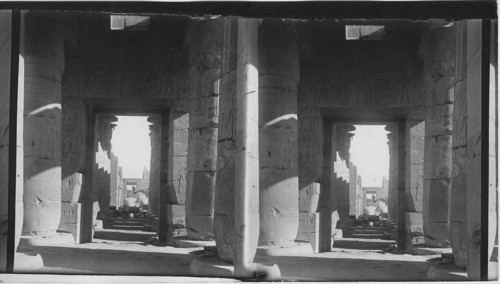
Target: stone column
<point x="310" y="172"/>
<point x="105" y="132"/>
<point x="414" y="171"/>
<point x="476" y="151"/>
<point x="154" y="181"/>
<point x="7" y="150"/>
<point x="44" y="64"/>
<point x="224" y="230"/>
<point x="205" y="60"/>
<point x="328" y="198"/>
<point x="174" y="145"/>
<point x="114" y="194"/>
<point x="458" y="192"/>
<point x="278" y="137"/>
<point x="393" y="172"/>
<point x="403" y="225"/>
<point x="343" y="173"/>
<point x="439" y="80"/>
<point x="353" y="190"/>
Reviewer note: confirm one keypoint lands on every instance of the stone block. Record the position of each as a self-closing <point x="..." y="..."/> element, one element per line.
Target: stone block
<point x="309" y="229"/>
<point x="309" y="198"/>
<point x="458" y="239"/>
<point x="176" y="215"/>
<point x="71" y="187"/>
<point x="205" y="113"/>
<point x="202" y="150"/>
<point x="440" y="157"/>
<point x="440" y="121"/>
<point x="278" y="148"/>
<point x="71" y="220"/>
<point x="414" y="223"/>
<point x="414" y="195"/>
<point x="278" y="227"/>
<point x="202" y="186"/>
<point x="438" y="200"/>
<point x="225" y="236"/>
<point x="200" y="227"/>
<point x="437" y="234"/>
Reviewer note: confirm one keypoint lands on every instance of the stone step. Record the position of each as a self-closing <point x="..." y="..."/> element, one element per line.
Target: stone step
<point x="368" y="232"/>
<point x="365" y="236"/>
<point x="370" y="228"/>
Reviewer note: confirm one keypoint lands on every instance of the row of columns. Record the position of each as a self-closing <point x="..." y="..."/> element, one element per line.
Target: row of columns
<point x="453" y="155"/>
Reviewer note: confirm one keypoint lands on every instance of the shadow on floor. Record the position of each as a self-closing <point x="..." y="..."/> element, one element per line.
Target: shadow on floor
<point x="66" y="260"/>
<point x="301" y="268"/>
<point x="362" y="244"/>
<point x="123" y="236"/>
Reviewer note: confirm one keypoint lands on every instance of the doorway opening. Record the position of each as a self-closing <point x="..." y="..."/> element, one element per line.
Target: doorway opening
<point x="366" y="203"/>
<point x="126" y="166"/>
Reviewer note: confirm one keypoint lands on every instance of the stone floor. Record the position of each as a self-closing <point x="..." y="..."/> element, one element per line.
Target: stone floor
<point x="129" y="251"/>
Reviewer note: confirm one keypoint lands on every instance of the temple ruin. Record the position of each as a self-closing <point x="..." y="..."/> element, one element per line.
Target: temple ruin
<point x="251" y="122"/>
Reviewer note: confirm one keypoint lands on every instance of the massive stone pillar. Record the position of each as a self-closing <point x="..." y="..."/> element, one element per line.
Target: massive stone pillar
<point x="205" y="61"/>
<point x="154" y="175"/>
<point x="393" y="172"/>
<point x="310" y="172"/>
<point x="480" y="156"/>
<point x="458" y="192"/>
<point x="174" y="147"/>
<point x="328" y="198"/>
<point x="44" y="64"/>
<point x="404" y="225"/>
<point x="439" y="71"/>
<point x="105" y="128"/>
<point x="114" y="191"/>
<point x="74" y="131"/>
<point x="342" y="171"/>
<point x="414" y="170"/>
<point x="224" y="230"/>
<point x="278" y="137"/>
<point x="10" y="152"/>
<point x="353" y="190"/>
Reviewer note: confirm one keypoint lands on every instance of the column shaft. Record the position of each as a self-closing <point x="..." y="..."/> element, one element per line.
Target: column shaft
<point x="224" y="224"/>
<point x="458" y="191"/>
<point x="439" y="71"/>
<point x="278" y="133"/>
<point x="44" y="64"/>
<point x="205" y="61"/>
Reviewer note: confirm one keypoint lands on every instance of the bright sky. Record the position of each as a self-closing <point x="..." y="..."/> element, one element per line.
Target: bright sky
<point x="131" y="144"/>
<point x="370" y="153"/>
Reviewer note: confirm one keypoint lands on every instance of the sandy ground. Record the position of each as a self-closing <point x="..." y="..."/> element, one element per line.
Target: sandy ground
<point x="128" y="252"/>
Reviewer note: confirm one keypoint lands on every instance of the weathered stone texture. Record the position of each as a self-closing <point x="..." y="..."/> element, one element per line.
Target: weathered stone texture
<point x="154" y="176"/>
<point x="145" y="67"/>
<point x="309" y="229"/>
<point x="278" y="132"/>
<point x="44" y="63"/>
<point x="335" y="74"/>
<point x="439" y="80"/>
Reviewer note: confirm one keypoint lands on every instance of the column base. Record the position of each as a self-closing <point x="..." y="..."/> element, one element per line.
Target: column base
<point x="297" y="247"/>
<point x="309" y="229"/>
<point x="214" y="267"/>
<point x="186" y="242"/>
<point x="50" y="239"/>
<point x="27" y="261"/>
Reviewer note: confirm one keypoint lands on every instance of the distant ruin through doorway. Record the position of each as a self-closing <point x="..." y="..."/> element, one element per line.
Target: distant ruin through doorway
<point x="369" y="186"/>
